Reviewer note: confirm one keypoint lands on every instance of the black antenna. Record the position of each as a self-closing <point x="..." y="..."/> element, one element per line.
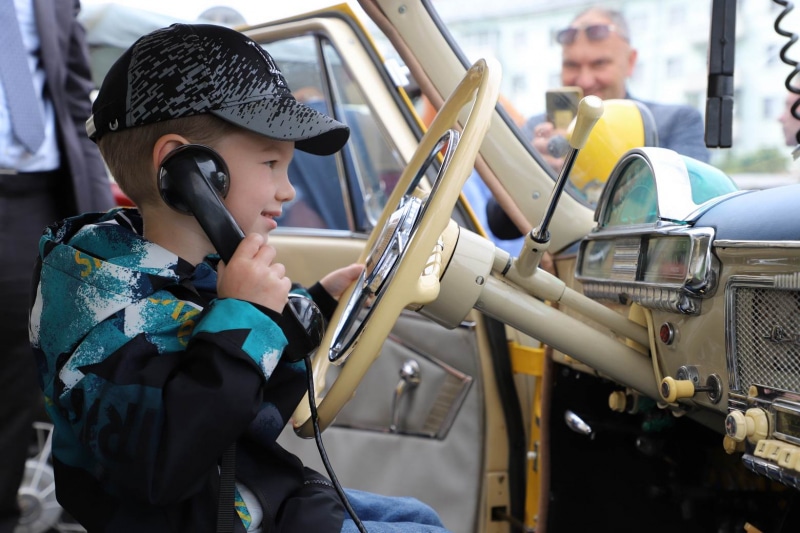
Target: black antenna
<point x="719" y="96"/>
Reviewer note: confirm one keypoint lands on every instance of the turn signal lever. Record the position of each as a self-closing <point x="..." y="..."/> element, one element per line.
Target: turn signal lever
<point x="590" y="109"/>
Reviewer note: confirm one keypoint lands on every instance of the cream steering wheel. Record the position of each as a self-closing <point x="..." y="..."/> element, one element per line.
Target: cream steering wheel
<point x="402" y="256"/>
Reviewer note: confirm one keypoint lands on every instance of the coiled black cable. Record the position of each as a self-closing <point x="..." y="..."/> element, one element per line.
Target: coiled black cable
<point x="790" y="86"/>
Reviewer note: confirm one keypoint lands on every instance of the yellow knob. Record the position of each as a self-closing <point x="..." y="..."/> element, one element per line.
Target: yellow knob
<point x="759" y="421"/>
<point x="672" y="389"/>
<point x="617" y="401"/>
<point x="731" y="446"/>
<point x="736" y="426"/>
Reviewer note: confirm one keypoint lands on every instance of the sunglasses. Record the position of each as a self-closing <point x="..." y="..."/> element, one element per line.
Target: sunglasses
<point x="594" y="32"/>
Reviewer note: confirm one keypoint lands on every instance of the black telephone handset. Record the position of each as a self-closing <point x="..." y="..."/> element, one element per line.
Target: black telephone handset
<point x="193" y="179"/>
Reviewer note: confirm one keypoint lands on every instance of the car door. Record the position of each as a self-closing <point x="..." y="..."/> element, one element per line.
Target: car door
<point x="437" y="416"/>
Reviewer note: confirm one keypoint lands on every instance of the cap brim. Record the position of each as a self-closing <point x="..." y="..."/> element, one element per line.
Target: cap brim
<point x="286" y="119"/>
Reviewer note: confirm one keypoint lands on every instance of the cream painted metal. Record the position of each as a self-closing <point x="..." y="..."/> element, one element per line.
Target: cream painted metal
<point x="479" y="90"/>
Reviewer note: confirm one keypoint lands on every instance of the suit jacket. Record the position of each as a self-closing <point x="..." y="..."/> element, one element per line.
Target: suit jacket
<point x="678" y="127"/>
<point x="65" y="60"/>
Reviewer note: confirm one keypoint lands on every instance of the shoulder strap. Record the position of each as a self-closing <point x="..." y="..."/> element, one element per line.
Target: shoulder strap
<point x="226" y="509"/>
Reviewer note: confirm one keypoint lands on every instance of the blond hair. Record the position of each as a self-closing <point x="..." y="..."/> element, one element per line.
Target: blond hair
<point x="128" y="153"/>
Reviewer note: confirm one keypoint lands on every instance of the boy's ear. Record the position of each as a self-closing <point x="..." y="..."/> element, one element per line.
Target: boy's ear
<point x="164" y="145"/>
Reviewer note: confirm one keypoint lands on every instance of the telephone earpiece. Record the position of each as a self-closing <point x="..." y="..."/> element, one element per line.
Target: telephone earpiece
<point x="193" y="179"/>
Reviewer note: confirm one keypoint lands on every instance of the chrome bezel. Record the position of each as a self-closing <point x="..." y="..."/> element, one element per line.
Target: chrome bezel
<point x="699" y="283"/>
<point x="783" y="407"/>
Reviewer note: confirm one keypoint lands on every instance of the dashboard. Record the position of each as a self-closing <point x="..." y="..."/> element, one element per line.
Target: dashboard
<point x="718" y="272"/>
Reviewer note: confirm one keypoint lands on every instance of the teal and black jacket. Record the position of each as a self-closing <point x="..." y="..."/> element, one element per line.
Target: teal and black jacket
<point x="148" y="378"/>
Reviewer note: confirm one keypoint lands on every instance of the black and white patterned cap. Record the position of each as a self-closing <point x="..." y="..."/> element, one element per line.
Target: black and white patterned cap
<point x="191" y="69"/>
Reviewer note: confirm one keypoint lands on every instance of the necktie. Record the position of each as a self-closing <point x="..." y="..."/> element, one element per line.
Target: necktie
<point x="23" y="105"/>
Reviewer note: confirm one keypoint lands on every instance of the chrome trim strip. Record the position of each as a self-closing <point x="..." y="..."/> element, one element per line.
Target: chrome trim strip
<point x="720" y="243"/>
<point x="713" y="202"/>
<point x="652" y="297"/>
<point x="771" y="470"/>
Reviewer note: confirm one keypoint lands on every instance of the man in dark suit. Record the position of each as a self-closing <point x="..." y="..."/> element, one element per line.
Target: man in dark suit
<point x="597" y="56"/>
<point x="49" y="169"/>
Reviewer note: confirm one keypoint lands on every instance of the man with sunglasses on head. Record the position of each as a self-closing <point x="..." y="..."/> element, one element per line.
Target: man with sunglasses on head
<point x="597" y="56"/>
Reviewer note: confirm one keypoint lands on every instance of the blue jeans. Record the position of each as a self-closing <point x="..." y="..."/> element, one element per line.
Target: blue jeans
<point x="387" y="514"/>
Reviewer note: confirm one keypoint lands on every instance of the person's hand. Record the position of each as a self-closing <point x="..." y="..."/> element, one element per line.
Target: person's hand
<point x="252" y="276"/>
<point x="337" y="281"/>
<point x="549" y="142"/>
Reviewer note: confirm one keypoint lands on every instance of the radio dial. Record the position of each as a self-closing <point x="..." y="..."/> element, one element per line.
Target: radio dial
<point x="752" y="425"/>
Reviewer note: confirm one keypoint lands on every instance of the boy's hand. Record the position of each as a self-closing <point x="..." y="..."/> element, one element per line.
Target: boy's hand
<point x="337" y="281"/>
<point x="251" y="275"/>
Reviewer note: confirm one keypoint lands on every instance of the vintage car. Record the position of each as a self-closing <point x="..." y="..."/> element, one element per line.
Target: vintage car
<point x="647" y="380"/>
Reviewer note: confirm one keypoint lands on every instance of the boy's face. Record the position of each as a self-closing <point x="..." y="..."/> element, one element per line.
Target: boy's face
<point x="259" y="179"/>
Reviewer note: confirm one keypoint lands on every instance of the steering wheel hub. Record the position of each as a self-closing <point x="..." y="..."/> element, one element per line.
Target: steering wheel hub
<point x="389" y="249"/>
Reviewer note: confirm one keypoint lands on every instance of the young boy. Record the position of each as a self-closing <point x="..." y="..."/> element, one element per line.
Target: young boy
<point x="154" y="359"/>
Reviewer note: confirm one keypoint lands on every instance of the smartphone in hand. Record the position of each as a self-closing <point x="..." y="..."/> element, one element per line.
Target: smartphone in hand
<point x="562" y="105"/>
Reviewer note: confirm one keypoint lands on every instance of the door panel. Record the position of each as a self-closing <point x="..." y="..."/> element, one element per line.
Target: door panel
<point x="443" y="470"/>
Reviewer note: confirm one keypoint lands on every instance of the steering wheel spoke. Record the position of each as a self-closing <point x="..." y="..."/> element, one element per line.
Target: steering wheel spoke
<point x="403" y="255"/>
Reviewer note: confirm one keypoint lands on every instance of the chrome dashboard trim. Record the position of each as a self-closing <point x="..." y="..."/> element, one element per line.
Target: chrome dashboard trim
<point x="788" y="408"/>
<point x="756" y="244"/>
<point x="700" y="281"/>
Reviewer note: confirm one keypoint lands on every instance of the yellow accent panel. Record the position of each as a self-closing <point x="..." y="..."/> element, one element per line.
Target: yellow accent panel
<point x="526" y="359"/>
<point x="530" y="361"/>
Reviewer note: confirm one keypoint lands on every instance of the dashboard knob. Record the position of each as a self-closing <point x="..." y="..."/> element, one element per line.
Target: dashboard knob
<point x="736" y="426"/>
<point x="731" y="446"/>
<point x="672" y="389"/>
<point x="752" y="425"/>
<point x="618" y="401"/>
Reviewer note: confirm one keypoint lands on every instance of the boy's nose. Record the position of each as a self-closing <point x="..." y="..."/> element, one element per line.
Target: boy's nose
<point x="287" y="193"/>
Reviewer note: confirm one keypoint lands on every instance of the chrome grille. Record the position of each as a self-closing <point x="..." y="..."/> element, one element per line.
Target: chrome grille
<point x="763" y="326"/>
